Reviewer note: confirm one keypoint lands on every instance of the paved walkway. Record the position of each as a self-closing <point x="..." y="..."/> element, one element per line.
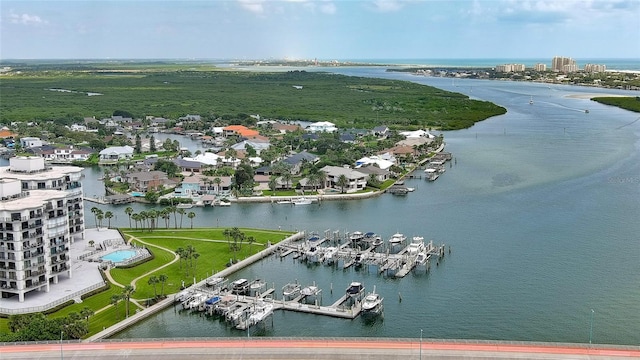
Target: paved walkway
<point x="352" y="349"/>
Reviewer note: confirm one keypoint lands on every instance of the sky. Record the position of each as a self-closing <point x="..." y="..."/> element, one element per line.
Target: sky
<point x="319" y="29"/>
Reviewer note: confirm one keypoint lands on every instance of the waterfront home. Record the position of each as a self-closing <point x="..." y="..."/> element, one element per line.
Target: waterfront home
<point x="147" y="180"/>
<point x="206" y="158"/>
<point x="377" y="160"/>
<point x="64" y="154"/>
<point x="190" y="117"/>
<point x="285" y="128"/>
<point x="240" y="130"/>
<point x="295" y="161"/>
<point x="356" y="180"/>
<point x="29" y="142"/>
<point x="417" y="134"/>
<point x="381" y="175"/>
<point x="115" y="153"/>
<point x="321" y="126"/>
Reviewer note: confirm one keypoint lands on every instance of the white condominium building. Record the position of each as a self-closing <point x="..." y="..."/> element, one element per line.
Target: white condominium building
<point x="563" y="64"/>
<point x="41" y="212"/>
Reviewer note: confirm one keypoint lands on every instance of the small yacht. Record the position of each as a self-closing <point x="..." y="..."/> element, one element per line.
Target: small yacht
<point x="310" y="293"/>
<point x="291" y="291"/>
<point x="259" y="312"/>
<point x="312" y="254"/>
<point x="356" y="236"/>
<point x="421" y="261"/>
<point x="301" y="201"/>
<point x="355" y="289"/>
<point x="330" y="255"/>
<point x="372" y="304"/>
<point x="240" y="287"/>
<point x="416" y="246"/>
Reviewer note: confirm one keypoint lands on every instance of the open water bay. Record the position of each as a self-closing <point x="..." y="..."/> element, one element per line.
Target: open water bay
<point x="542" y="212"/>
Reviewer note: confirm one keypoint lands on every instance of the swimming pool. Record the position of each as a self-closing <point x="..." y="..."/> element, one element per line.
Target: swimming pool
<point x="119" y="256"/>
<point x="136" y="194"/>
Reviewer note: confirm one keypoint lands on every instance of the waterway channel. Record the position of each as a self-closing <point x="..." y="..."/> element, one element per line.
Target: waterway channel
<point x="541" y="210"/>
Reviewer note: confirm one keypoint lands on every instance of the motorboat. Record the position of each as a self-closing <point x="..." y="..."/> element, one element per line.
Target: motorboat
<point x="372" y="304"/>
<point x="255" y="288"/>
<point x="396" y="243"/>
<point x="301" y="201"/>
<point x="421" y="261"/>
<point x="240" y="287"/>
<point x="291" y="291"/>
<point x="330" y="255"/>
<point x="356" y="236"/>
<point x="310" y="293"/>
<point x="184" y="206"/>
<point x="431" y="173"/>
<point x="355" y="289"/>
<point x="416" y="246"/>
<point x="259" y="312"/>
<point x="377" y="241"/>
<point x="312" y="254"/>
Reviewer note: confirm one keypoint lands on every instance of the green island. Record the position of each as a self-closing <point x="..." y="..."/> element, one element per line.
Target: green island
<point x="65" y="91"/>
<point x="627" y="103"/>
<point x="178" y="256"/>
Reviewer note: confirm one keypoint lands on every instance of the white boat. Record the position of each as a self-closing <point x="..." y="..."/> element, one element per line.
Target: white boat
<point x="259" y="312"/>
<point x="291" y="291"/>
<point x="256" y="287"/>
<point x="431" y="173"/>
<point x="416" y="246"/>
<point x="310" y="293"/>
<point x="184" y="206"/>
<point x="421" y="261"/>
<point x="330" y="255"/>
<point x="285" y="202"/>
<point x="312" y="254"/>
<point x="356" y="236"/>
<point x="372" y="304"/>
<point x="224" y="203"/>
<point x="301" y="201"/>
<point x="397" y="239"/>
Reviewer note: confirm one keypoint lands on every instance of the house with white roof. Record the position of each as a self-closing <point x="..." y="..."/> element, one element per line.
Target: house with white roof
<point x="115" y="153"/>
<point x="322" y="126"/>
<point x="207" y="158"/>
<point x="375" y="160"/>
<point x="417" y="134"/>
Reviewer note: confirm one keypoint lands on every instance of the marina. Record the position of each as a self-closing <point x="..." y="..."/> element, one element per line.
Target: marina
<point x="244" y="303"/>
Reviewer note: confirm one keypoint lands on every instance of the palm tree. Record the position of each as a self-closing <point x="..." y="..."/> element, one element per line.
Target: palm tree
<point x="287" y="177"/>
<point x="143" y="218"/>
<point x="136" y="218"/>
<point x="191" y="215"/>
<point x="166" y="216"/>
<point x="273" y="183"/>
<point x="129" y="211"/>
<point x="108" y="215"/>
<point x="100" y="216"/>
<point x="86" y="313"/>
<point x="153" y="281"/>
<point x="195" y="257"/>
<point x="217" y="181"/>
<point x="115" y="299"/>
<point x="342" y="182"/>
<point x="94" y="211"/>
<point x="175" y="219"/>
<point x="181" y="212"/>
<point x="153" y="215"/>
<point x="127" y="291"/>
<point x="180" y="252"/>
<point x="163" y="279"/>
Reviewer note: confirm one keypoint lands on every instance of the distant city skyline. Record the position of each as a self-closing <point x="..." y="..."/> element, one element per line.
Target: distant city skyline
<point x="322" y="29"/>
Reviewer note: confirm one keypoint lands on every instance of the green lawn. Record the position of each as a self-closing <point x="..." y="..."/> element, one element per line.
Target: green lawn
<point x="214" y="252"/>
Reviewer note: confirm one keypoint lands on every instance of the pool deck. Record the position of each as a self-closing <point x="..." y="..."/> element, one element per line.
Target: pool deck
<point x="85" y="276"/>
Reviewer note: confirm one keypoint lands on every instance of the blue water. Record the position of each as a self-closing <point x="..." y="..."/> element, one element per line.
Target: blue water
<point x="540" y="209"/>
<point x="119" y="256"/>
<point x="136" y="194"/>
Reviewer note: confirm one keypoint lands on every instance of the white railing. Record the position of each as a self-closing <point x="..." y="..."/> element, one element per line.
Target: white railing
<point x="52" y="304"/>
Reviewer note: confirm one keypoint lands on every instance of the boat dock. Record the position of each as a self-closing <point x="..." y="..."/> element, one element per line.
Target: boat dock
<point x="347" y="253"/>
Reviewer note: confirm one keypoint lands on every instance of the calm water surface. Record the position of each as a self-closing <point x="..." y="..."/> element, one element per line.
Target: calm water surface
<point x="541" y="211"/>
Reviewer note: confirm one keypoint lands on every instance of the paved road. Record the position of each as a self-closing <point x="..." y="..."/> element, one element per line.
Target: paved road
<point x="298" y="349"/>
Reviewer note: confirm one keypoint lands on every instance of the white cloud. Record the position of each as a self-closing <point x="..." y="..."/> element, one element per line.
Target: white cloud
<point x="27" y="19"/>
<point x="255" y="6"/>
<point x="328" y="8"/>
<point x="387" y="5"/>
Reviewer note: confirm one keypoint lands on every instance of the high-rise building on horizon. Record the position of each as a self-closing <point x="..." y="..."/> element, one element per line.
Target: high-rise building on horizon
<point x="540" y="67"/>
<point x="563" y="64"/>
<point x="41" y="214"/>
<point x="510" y="67"/>
<point x="594" y="68"/>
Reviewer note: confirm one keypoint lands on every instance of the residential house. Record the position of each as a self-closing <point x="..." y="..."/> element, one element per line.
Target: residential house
<point x="296" y="161"/>
<point x="381" y="131"/>
<point x="240" y="130"/>
<point x="258" y="146"/>
<point x="381" y="175"/>
<point x="188" y="166"/>
<point x="322" y="126"/>
<point x="147" y="180"/>
<point x="29" y="142"/>
<point x="285" y="128"/>
<point x="190" y="117"/>
<point x="378" y="160"/>
<point x="78" y="128"/>
<point x="356" y="180"/>
<point x="115" y="153"/>
<point x="206" y="158"/>
<point x="416" y="134"/>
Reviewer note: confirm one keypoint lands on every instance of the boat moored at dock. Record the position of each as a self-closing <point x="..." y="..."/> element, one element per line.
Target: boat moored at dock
<point x="372" y="304"/>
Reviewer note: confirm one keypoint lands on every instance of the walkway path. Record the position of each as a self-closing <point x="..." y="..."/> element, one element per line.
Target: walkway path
<point x="330" y="348"/>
